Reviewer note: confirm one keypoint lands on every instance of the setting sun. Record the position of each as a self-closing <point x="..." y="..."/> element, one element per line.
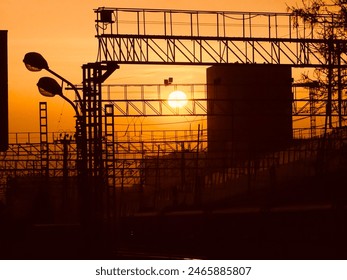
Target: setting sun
<point x="177" y="99"/>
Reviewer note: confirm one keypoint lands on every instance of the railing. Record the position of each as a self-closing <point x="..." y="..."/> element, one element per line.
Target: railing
<point x="200" y="23"/>
<point x="306" y="151"/>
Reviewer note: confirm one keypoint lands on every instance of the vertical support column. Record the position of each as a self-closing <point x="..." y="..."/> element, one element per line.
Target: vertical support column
<point x="94" y="166"/>
<point x="93" y="118"/>
<point x="110" y="168"/>
<point x="339" y="85"/>
<point x="44" y="151"/>
<point x="312" y="94"/>
<point x="328" y="118"/>
<point x="94" y="74"/>
<point x="3" y="91"/>
<point x="110" y="145"/>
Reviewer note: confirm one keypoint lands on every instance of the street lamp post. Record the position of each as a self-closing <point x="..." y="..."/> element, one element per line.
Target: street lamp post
<point x="88" y="129"/>
<point x="49" y="87"/>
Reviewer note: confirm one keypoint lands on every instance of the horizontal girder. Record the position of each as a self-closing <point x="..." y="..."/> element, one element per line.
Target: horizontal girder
<point x="208" y="51"/>
<point x="141" y="36"/>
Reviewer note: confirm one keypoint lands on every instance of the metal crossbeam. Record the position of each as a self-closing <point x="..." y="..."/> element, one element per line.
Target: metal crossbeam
<point x="210" y="51"/>
<point x="152" y="100"/>
<point x="176" y="37"/>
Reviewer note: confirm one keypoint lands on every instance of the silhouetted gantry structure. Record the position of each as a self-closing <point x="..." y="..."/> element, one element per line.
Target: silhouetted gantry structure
<point x="142" y="159"/>
<point x="183" y="37"/>
<point x="263" y="155"/>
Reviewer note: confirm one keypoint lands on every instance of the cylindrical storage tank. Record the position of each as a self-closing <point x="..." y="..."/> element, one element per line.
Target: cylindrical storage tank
<point x="249" y="109"/>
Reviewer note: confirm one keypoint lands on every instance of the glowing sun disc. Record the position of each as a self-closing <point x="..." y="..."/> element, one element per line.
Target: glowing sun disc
<point x="177" y="99"/>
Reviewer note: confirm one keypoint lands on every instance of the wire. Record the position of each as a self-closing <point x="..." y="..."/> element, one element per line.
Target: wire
<point x="60" y="117"/>
<point x="148" y="124"/>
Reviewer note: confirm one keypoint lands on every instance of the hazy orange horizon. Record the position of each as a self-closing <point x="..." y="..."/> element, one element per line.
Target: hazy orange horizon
<point x="64" y="33"/>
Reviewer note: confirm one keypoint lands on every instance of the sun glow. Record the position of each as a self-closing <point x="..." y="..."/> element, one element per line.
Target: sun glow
<point x="177" y="99"/>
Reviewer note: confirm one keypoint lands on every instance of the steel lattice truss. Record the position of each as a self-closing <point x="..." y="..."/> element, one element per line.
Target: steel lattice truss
<point x="128" y="148"/>
<point x="148" y="160"/>
<point x="151" y="100"/>
<point x="148" y="36"/>
<point x="132" y="151"/>
<point x="24" y="156"/>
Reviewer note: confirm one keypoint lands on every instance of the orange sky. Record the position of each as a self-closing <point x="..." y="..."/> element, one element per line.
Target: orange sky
<point x="64" y="33"/>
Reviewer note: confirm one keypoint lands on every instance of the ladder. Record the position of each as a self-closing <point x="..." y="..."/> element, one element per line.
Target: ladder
<point x="44" y="152"/>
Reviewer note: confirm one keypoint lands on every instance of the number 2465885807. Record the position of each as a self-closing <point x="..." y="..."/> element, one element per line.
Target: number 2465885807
<point x="231" y="270"/>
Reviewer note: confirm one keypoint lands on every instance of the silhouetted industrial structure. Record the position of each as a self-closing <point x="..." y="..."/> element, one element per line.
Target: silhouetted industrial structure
<point x="266" y="148"/>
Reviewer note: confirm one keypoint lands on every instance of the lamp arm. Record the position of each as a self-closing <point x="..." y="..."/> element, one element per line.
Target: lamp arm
<point x="66" y="81"/>
<point x="71" y="103"/>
